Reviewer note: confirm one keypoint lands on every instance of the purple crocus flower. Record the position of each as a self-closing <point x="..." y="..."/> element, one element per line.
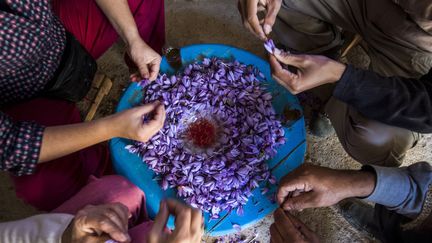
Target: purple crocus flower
<point x="227" y="100"/>
<point x="271" y="47"/>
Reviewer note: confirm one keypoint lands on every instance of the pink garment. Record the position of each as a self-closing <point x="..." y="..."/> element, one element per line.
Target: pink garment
<point x="112" y="189"/>
<point x="56" y="181"/>
<point x="85" y="20"/>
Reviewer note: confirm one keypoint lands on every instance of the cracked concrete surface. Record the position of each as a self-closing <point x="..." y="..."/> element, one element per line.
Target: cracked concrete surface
<point x="217" y="21"/>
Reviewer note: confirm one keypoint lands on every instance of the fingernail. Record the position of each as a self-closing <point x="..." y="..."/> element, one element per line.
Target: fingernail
<point x="267" y="29"/>
<point x="124" y="237"/>
<point x="277" y="51"/>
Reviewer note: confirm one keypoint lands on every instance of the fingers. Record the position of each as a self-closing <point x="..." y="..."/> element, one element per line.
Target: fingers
<point x="161" y="219"/>
<point x="196" y="219"/>
<point x="188" y="221"/>
<point x="159" y="116"/>
<point x="284" y="225"/>
<point x="123" y="214"/>
<point x="303" y="201"/>
<point x="290" y="228"/>
<point x="144" y="71"/>
<point x="252" y="19"/>
<point x="279" y="71"/>
<point x="135" y="77"/>
<point x="102" y="219"/>
<point x="308" y="233"/>
<point x="291" y="59"/>
<point x="115" y="232"/>
<point x="149" y="107"/>
<point x="283" y="76"/>
<point x="287" y="186"/>
<point x="270" y="18"/>
<point x="276" y="237"/>
<point x="242" y="7"/>
<point x="183" y="215"/>
<point x="154" y="69"/>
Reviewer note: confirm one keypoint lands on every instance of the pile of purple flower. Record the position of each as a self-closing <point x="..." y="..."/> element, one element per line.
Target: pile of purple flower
<point x="230" y="100"/>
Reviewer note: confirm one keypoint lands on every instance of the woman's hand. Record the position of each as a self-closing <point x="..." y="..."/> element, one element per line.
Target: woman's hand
<point x="312" y="71"/>
<point x="249" y="12"/>
<point x="100" y="223"/>
<point x="145" y="58"/>
<point x="287" y="228"/>
<point x="139" y="123"/>
<point x="59" y="141"/>
<point x="189" y="224"/>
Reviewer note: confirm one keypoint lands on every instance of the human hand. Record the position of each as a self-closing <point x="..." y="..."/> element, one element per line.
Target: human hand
<point x="146" y="59"/>
<point x="287" y="228"/>
<point x="100" y="223"/>
<point x="132" y="125"/>
<point x="249" y="12"/>
<point x="312" y="71"/>
<point x="189" y="224"/>
<point x="311" y="186"/>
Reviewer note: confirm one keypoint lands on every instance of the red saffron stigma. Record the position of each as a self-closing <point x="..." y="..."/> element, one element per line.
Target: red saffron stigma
<point x="202" y="133"/>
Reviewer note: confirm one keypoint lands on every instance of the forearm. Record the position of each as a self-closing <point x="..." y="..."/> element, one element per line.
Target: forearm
<point x="402" y="189"/>
<point x="120" y="16"/>
<point x="38" y="228"/>
<point x="396" y="101"/>
<point x="59" y="141"/>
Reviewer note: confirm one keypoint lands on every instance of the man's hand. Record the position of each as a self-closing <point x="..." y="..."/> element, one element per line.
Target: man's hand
<point x="249" y="12"/>
<point x="146" y="59"/>
<point x="287" y="228"/>
<point x="311" y="186"/>
<point x="189" y="224"/>
<point x="100" y="223"/>
<point x="130" y="123"/>
<point x="312" y="71"/>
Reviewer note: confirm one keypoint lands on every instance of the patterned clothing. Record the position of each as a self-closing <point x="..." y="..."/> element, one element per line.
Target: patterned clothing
<point x="32" y="41"/>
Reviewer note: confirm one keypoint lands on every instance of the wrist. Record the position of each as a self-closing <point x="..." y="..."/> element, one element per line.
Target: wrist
<point x="134" y="40"/>
<point x="336" y="71"/>
<point x="360" y="183"/>
<point x="108" y="127"/>
<point x="356" y="184"/>
<point x="131" y="37"/>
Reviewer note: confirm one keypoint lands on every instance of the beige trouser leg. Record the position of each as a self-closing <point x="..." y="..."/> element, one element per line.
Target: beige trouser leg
<point x="397" y="46"/>
<point x="366" y="140"/>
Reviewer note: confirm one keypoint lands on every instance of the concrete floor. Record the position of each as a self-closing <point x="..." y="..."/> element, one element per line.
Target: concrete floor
<point x="217" y="21"/>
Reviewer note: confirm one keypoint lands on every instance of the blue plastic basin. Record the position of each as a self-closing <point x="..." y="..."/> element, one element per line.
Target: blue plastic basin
<point x="289" y="156"/>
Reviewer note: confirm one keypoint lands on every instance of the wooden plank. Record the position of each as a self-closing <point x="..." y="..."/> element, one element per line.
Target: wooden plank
<point x="103" y="90"/>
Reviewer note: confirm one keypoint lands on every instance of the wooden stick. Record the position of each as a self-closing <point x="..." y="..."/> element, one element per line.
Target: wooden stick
<point x="97" y="81"/>
<point x="354" y="42"/>
<point x="104" y="90"/>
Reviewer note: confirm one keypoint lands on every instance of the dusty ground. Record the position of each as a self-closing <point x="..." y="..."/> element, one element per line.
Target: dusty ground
<point x="217" y="21"/>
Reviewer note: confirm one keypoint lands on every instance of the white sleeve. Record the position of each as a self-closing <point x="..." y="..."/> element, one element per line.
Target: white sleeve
<point x="43" y="228"/>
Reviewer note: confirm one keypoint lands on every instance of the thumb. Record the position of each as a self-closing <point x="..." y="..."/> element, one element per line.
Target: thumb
<point x="147" y="108"/>
<point x="144" y="71"/>
<point x="303" y="201"/>
<point x="290" y="59"/>
<point x="161" y="219"/>
<point x="304" y="229"/>
<point x="270" y="18"/>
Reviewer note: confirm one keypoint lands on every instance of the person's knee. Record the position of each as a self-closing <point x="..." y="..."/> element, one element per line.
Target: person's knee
<point x="375" y="143"/>
<point x="121" y="186"/>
